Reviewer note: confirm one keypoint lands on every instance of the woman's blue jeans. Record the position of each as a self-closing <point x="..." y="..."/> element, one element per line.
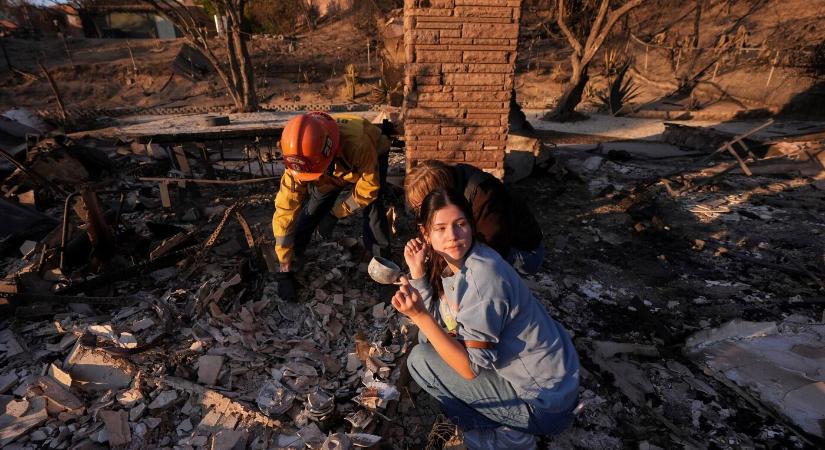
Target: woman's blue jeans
<point x="527" y="262"/>
<point x="487" y="401"/>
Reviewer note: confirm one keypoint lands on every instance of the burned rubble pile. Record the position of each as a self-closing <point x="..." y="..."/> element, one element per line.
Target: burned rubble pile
<point x="697" y="308"/>
<point x="130" y="325"/>
<point x="693" y="291"/>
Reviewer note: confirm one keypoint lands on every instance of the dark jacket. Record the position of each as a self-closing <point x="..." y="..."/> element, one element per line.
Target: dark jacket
<point x="502" y="219"/>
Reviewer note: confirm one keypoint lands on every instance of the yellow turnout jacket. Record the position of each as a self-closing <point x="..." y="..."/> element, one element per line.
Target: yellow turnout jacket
<point x="356" y="164"/>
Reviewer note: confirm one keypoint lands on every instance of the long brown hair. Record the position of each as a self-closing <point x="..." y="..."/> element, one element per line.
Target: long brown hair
<point x="433" y="202"/>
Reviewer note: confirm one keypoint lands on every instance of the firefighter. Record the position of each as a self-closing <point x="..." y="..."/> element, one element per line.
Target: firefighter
<point x="325" y="155"/>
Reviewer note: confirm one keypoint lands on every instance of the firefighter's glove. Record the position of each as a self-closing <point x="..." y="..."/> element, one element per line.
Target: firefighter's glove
<point x="286" y="286"/>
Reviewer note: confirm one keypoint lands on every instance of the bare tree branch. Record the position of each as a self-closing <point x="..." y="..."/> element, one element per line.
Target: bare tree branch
<point x="613" y="17"/>
<point x="236" y="70"/>
<point x="571" y="38"/>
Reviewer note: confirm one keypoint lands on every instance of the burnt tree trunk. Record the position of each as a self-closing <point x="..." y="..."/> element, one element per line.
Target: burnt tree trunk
<point x="697" y="21"/>
<point x="565" y="109"/>
<point x="240" y="65"/>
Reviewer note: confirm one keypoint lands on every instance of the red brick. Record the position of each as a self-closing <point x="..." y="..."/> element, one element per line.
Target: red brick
<point x="456" y="41"/>
<point x="421" y="121"/>
<point x="431" y="12"/>
<point x="428" y="81"/>
<point x="479" y="131"/>
<point x="432" y="104"/>
<point x="482" y="11"/>
<point x="478" y="122"/>
<point x="427" y="70"/>
<point x="452" y="130"/>
<point x="477" y="47"/>
<point x="431" y="47"/>
<point x="482" y="155"/>
<point x="477" y="88"/>
<point x="441" y="155"/>
<point x="467" y="20"/>
<point x="425" y="25"/>
<point x="492" y="121"/>
<point x="474" y="79"/>
<point x="436" y="113"/>
<point x="429" y="89"/>
<point x="432" y="139"/>
<point x="476" y="68"/>
<point x="417" y="148"/>
<point x="421" y="129"/>
<point x="492" y="112"/>
<point x="489" y="31"/>
<point x="465" y="146"/>
<point x="434" y="56"/>
<point x="501" y="96"/>
<point x="483" y="106"/>
<point x="485" y="139"/>
<point x="511" y="3"/>
<point x="486" y="57"/>
<point x="435" y="97"/>
<point x="452" y="33"/>
<point x="496" y="42"/>
<point x="424" y="36"/>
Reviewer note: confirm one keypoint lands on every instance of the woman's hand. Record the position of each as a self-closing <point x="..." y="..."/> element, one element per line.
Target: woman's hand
<point x="414" y="254"/>
<point x="408" y="300"/>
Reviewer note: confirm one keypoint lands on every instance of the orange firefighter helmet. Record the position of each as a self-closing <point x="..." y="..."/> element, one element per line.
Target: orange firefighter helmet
<point x="309" y="142"/>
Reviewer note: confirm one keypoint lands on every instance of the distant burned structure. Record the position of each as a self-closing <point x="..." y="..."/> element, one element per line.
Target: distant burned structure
<point x="460" y="58"/>
<point x="133" y="20"/>
<point x="27" y="20"/>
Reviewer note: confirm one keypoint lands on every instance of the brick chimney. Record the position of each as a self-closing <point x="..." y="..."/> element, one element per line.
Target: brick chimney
<point x="458" y="80"/>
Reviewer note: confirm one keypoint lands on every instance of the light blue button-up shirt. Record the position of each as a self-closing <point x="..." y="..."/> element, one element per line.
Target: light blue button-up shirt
<point x="492" y="303"/>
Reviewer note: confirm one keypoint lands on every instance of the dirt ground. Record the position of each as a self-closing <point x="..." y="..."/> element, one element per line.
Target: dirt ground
<point x="308" y="68"/>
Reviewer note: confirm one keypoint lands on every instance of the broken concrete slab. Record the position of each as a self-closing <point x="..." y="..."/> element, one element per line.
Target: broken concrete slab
<point x="209" y="367"/>
<point x="136" y="412"/>
<point x="229" y="440"/>
<point x="26" y="120"/>
<point x="143" y="324"/>
<point x="12" y="428"/>
<point x="9" y="344"/>
<point x="59" y="397"/>
<point x="780" y="365"/>
<point x="735" y="329"/>
<point x="7" y="381"/>
<point x="117" y="426"/>
<point x="94" y="369"/>
<point x="127" y="340"/>
<point x="61" y="376"/>
<point x="163" y="400"/>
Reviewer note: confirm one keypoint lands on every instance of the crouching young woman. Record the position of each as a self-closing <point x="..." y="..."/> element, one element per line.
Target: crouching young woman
<point x="502" y="369"/>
